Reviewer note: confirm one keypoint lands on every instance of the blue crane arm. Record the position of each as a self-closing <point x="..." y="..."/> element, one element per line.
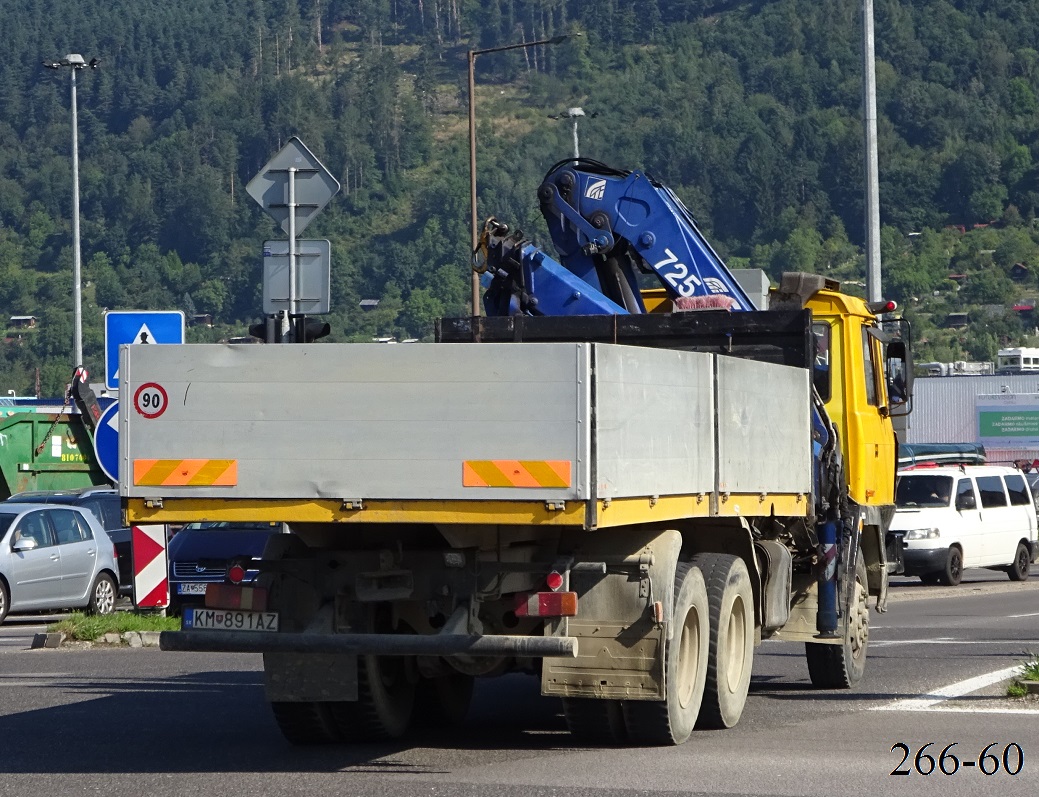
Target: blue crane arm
<point x="595" y="213"/>
<point x="608" y="226"/>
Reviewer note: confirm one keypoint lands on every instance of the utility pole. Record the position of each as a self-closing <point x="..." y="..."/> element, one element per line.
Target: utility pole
<point x="869" y="111"/>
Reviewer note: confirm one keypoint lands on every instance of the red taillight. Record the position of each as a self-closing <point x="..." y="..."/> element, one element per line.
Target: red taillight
<point x="554" y="580"/>
<point x="545" y="604"/>
<point x="236" y="574"/>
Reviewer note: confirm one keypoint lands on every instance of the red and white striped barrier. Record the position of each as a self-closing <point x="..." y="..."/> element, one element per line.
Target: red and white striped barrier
<point x="151" y="586"/>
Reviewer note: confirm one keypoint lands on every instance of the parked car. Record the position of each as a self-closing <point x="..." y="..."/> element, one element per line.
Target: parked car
<point x="969" y="516"/>
<point x="104" y="503"/>
<point x="201" y="553"/>
<point x="54" y="558"/>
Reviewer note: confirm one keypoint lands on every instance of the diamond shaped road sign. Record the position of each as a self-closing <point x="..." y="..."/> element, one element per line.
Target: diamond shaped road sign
<point x="313" y="185"/>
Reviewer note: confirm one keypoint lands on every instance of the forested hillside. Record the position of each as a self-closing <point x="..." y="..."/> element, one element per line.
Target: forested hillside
<point x="750" y="111"/>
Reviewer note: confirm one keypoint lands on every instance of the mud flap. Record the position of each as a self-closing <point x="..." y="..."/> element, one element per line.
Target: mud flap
<point x="625" y="585"/>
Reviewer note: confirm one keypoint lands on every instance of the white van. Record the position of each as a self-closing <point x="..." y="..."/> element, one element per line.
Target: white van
<point x="966" y="516"/>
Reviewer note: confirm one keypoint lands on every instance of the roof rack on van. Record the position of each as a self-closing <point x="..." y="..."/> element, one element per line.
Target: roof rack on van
<point x="915" y="455"/>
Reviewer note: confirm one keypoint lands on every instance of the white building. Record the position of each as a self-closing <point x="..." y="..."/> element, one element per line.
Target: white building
<point x="1000" y="412"/>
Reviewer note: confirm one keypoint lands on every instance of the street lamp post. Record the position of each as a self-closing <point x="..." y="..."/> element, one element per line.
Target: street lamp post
<point x="75" y="62"/>
<point x="472" y="143"/>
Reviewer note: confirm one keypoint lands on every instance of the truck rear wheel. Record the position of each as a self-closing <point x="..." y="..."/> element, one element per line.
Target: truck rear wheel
<point x="686" y="660"/>
<point x="842" y="666"/>
<point x="730" y="655"/>
<point x="305" y="723"/>
<point x="385" y="700"/>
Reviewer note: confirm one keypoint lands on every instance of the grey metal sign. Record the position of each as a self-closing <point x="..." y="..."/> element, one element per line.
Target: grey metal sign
<point x="312" y="184"/>
<point x="313" y="276"/>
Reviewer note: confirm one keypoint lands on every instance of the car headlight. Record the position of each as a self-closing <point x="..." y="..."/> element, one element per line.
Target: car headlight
<point x="922" y="534"/>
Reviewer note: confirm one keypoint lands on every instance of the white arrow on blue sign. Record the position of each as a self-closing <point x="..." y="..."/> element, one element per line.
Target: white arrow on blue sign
<point x="106" y="441"/>
<point x="133" y="326"/>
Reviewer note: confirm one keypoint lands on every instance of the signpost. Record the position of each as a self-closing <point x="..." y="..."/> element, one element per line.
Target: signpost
<point x="293" y="188"/>
<point x="137" y="327"/>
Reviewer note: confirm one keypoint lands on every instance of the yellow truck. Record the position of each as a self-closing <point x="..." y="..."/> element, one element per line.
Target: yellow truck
<point x="622" y="503"/>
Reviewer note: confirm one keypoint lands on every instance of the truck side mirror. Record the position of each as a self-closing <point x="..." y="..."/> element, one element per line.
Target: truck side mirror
<point x="899" y="371"/>
<point x="965" y="501"/>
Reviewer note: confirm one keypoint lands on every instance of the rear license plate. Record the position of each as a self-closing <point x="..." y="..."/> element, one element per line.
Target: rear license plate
<point x="230" y="620"/>
<point x="191" y="589"/>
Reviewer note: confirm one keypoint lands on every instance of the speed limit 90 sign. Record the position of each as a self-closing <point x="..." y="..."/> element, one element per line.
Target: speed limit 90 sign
<point x="150" y="400"/>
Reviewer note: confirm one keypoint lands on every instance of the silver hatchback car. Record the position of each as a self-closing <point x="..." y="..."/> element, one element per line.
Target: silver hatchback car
<point x="54" y="557"/>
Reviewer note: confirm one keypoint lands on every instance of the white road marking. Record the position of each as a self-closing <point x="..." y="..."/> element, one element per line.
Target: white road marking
<point x="942" y="641"/>
<point x="1016" y="616"/>
<point x="929" y="700"/>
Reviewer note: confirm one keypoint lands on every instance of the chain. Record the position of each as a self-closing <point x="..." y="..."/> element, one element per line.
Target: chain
<point x="68" y="398"/>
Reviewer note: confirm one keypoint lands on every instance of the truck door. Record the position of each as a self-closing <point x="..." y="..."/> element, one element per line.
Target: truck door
<point x="876" y="441"/>
<point x="870" y="442"/>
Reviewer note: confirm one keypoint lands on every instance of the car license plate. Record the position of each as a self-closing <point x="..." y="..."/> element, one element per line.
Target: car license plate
<point x="191" y="589"/>
<point x="230" y="620"/>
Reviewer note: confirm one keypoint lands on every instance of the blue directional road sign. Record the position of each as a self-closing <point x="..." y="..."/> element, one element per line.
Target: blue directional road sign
<point x="106" y="441"/>
<point x="133" y="326"/>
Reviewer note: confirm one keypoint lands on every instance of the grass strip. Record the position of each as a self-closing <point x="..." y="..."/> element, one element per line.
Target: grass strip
<point x="91" y="627"/>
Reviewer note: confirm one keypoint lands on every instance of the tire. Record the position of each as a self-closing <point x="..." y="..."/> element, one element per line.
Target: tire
<point x="595" y="722"/>
<point x="686" y="658"/>
<point x="443" y="701"/>
<point x="953" y="572"/>
<point x="930" y="578"/>
<point x="842" y="666"/>
<point x="1018" y="571"/>
<point x="384" y="705"/>
<point x="5" y="601"/>
<point x="102" y="595"/>
<point x="730" y="656"/>
<point x="305" y="724"/>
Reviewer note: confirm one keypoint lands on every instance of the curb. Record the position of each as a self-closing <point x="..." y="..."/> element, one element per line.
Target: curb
<point x="133" y="639"/>
<point x="46" y="641"/>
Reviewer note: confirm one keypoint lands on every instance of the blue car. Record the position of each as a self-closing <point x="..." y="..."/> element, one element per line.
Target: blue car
<point x="201" y="553"/>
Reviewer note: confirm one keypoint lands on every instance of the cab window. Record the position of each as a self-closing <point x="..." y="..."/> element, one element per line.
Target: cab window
<point x="965" y="495"/>
<point x="923" y="490"/>
<point x="821" y="366"/>
<point x="869" y="368"/>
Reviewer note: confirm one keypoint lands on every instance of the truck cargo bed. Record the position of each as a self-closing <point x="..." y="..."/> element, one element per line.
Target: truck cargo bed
<point x="588" y="434"/>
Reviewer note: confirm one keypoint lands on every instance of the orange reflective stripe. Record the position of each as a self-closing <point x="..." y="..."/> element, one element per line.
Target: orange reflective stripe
<point x="185" y="472"/>
<point x="515" y="473"/>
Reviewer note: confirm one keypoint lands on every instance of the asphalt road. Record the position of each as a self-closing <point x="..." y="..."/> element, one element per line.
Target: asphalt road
<point x="132" y="722"/>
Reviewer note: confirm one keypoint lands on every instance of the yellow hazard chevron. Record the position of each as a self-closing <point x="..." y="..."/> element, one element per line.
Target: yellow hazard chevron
<point x="516" y="473"/>
<point x="185" y="472"/>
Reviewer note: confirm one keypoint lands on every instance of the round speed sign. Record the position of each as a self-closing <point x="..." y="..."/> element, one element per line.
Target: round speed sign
<point x="150" y="400"/>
